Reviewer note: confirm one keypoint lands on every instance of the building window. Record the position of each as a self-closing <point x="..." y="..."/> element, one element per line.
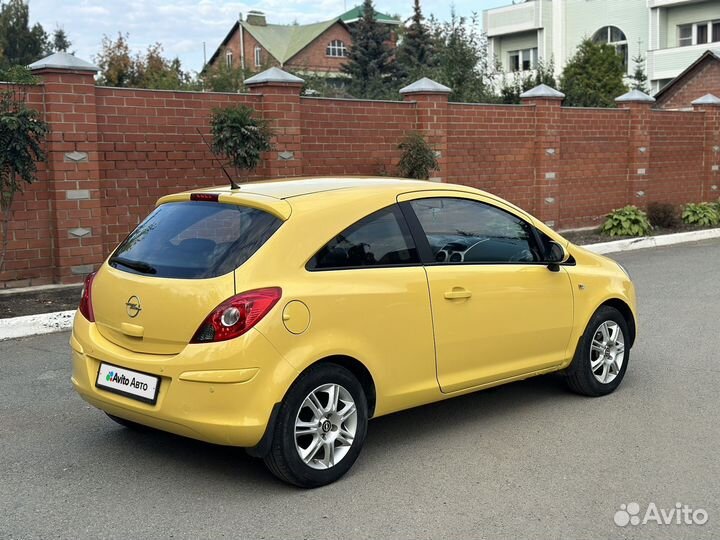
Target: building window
<point x="258" y="56"/>
<point x="698" y="33"/>
<point x="523" y="60"/>
<point x="685" y="35"/>
<point x="612" y="35"/>
<point x="336" y="48"/>
<point x="228" y="59"/>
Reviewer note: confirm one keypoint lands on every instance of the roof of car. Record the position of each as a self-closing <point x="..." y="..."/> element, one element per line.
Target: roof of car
<point x="293" y="187"/>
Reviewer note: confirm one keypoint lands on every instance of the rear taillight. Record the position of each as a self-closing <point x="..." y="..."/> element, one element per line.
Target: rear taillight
<point x="237" y="315"/>
<point x="85" y="306"/>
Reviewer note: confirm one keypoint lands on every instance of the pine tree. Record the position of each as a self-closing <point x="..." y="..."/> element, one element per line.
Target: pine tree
<point x="639" y="76"/>
<point x="19" y="43"/>
<point x="369" y="62"/>
<point x="416" y="55"/>
<point x="594" y="76"/>
<point x="60" y="41"/>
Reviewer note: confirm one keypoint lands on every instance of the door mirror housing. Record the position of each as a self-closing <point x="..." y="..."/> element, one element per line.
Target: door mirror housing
<point x="556" y="256"/>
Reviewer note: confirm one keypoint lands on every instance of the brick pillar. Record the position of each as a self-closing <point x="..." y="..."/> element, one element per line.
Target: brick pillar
<point x="73" y="164"/>
<point x="639" y="106"/>
<point x="280" y="106"/>
<point x="547" y="102"/>
<point x="431" y="101"/>
<point x="710" y="105"/>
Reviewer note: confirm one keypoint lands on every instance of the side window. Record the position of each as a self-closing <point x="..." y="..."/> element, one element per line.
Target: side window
<point x="380" y="239"/>
<point x="465" y="231"/>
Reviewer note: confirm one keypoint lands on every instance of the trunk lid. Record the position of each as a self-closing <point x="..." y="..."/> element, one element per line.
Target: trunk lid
<point x="177" y="266"/>
<point x="154" y="315"/>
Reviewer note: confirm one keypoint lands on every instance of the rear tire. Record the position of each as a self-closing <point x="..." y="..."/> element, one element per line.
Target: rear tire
<point x="602" y="356"/>
<point x="320" y="428"/>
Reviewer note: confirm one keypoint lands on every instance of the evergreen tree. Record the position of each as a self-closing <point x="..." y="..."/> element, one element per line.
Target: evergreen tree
<point x="415" y="55"/>
<point x="369" y="63"/>
<point x="463" y="62"/>
<point x="594" y="76"/>
<point x="19" y="43"/>
<point x="639" y="76"/>
<point x="60" y="41"/>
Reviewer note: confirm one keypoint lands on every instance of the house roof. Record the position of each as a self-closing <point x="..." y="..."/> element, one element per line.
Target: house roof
<point x="282" y="41"/>
<point x="356" y="13"/>
<point x="710" y="53"/>
<point x="285" y="41"/>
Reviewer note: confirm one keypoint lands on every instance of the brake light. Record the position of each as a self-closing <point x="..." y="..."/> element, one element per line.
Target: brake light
<point x="210" y="197"/>
<point x="237" y="315"/>
<point x="85" y="306"/>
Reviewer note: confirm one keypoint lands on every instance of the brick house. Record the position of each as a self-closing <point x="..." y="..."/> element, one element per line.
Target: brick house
<point x="319" y="48"/>
<point x="702" y="77"/>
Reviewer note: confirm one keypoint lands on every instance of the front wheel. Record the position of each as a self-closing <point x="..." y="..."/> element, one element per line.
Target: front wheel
<point x="602" y="356"/>
<point x="320" y="429"/>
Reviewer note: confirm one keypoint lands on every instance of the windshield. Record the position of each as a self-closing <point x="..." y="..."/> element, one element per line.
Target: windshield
<point x="194" y="240"/>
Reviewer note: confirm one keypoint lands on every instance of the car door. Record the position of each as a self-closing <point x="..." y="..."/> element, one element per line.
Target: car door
<point x="498" y="312"/>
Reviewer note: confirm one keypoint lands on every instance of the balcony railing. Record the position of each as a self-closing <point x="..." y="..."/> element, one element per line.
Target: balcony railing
<point x="669" y="63"/>
<point x="512" y="19"/>
<point x="666" y="3"/>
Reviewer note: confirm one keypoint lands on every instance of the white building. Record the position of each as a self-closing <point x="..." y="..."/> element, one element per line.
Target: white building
<point x="671" y="34"/>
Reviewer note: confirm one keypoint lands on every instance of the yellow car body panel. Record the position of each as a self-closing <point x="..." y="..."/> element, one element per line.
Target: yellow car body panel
<point x="417" y="345"/>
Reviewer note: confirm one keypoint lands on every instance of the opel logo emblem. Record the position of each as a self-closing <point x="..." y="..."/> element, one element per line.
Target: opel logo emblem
<point x="133" y="307"/>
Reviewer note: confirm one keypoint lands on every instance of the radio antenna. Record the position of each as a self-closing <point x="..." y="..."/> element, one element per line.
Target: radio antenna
<point x="233" y="183"/>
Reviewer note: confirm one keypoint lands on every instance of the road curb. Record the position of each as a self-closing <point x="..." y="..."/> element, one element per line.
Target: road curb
<point x="33" y="325"/>
<point x="645" y="242"/>
<point x="46" y="323"/>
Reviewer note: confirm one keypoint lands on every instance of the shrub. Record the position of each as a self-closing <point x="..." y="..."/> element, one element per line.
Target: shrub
<point x="704" y="214"/>
<point x="628" y="221"/>
<point x="418" y="158"/>
<point x="240" y="137"/>
<point x="22" y="145"/>
<point x="663" y="215"/>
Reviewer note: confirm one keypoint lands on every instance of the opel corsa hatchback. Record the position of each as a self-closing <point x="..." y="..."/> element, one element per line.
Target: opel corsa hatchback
<point x="283" y="315"/>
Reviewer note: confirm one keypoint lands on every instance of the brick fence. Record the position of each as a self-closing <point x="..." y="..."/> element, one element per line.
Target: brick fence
<point x="114" y="151"/>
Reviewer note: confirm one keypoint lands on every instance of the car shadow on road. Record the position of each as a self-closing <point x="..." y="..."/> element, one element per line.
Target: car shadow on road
<point x="387" y="435"/>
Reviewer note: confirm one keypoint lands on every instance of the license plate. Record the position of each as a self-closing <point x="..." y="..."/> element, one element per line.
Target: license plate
<point x="127" y="382"/>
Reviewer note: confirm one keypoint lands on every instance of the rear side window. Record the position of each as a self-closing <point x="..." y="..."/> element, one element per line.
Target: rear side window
<point x="194" y="240"/>
<point x="380" y="239"/>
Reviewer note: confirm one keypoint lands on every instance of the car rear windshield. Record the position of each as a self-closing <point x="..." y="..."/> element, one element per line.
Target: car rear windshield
<point x="194" y="240"/>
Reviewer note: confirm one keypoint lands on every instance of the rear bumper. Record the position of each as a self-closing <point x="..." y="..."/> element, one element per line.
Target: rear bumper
<point x="221" y="393"/>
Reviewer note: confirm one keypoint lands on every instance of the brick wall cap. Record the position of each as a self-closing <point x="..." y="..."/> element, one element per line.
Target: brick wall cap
<point x="707" y="99"/>
<point x="274" y="75"/>
<point x="635" y="96"/>
<point x="62" y="60"/>
<point x="425" y="86"/>
<point x="542" y="91"/>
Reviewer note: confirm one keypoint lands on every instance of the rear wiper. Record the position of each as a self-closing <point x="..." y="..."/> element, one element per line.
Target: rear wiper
<point x="140" y="266"/>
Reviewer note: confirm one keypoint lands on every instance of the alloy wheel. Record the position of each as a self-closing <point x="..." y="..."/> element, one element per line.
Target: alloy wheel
<point x="607" y="352"/>
<point x="325" y="426"/>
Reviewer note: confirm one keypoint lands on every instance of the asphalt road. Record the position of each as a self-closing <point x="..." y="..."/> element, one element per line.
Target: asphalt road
<point x="524" y="460"/>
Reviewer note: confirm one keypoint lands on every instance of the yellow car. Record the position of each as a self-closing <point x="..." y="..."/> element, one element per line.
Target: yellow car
<point x="281" y="316"/>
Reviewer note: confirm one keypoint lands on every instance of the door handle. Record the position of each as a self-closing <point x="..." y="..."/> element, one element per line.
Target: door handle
<point x="457" y="293"/>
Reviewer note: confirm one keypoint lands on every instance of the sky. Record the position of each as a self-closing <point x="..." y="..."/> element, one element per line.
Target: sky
<point x="182" y="26"/>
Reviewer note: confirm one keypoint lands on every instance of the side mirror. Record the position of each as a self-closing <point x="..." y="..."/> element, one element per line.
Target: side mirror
<point x="557" y="256"/>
